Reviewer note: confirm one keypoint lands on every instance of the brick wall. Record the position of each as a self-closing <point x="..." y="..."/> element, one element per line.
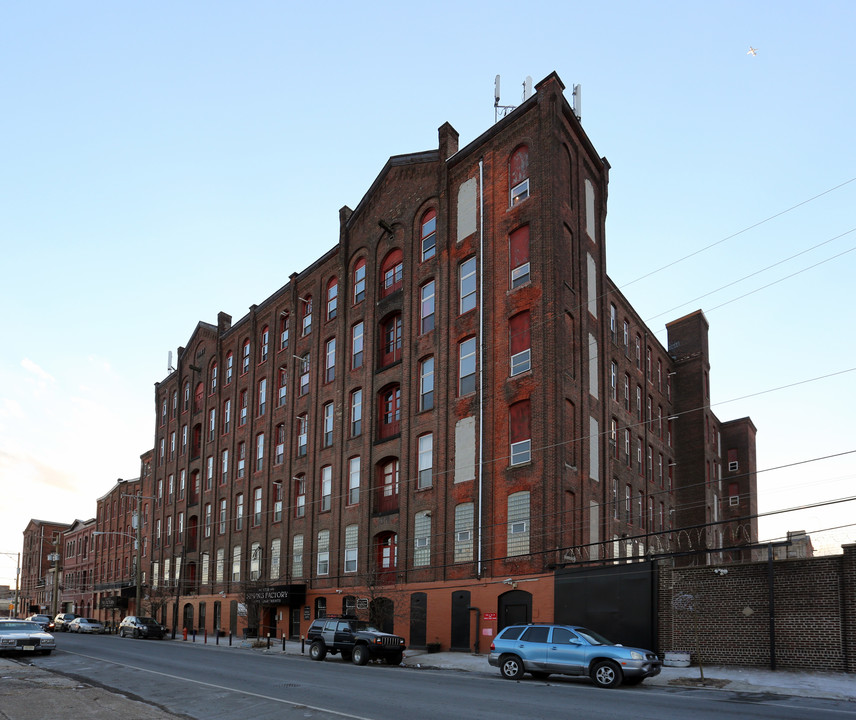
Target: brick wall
<point x="724" y="612"/>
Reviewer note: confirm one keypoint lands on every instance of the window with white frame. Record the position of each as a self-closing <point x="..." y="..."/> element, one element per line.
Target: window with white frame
<point x="422" y="539"/>
<point x="356" y="412"/>
<point x="277" y="495"/>
<point x="328" y="425"/>
<point x="279" y="447"/>
<point x="239" y="511"/>
<point x="262" y="396"/>
<point x="303" y="364"/>
<point x="323" y="565"/>
<point x="520" y="422"/>
<point x="326" y="487"/>
<point x="357" y="345"/>
<point x="257" y="507"/>
<point x="245" y="356"/>
<point x="282" y="389"/>
<point x="464" y="523"/>
<point x="351" y="546"/>
<point x="283" y="330"/>
<point x="219" y="568"/>
<point x="426" y="384"/>
<point x="518" y="524"/>
<point x="519" y="256"/>
<point x="467" y="285"/>
<point x="302" y="434"/>
<point x="426" y="307"/>
<point x="518" y="176"/>
<point x="467" y="366"/>
<point x="236" y="563"/>
<point x="330" y="361"/>
<point x="426" y="461"/>
<point x="299" y="496"/>
<point x="332" y="298"/>
<point x="359" y="281"/>
<point x="224" y="467"/>
<point x="520" y="342"/>
<point x="306" y="304"/>
<point x="353" y="481"/>
<point x="297" y="556"/>
<point x="222" y="521"/>
<point x="429" y="235"/>
<point x="260" y="451"/>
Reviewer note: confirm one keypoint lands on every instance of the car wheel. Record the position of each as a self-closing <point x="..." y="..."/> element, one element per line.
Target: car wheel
<point x="395" y="658"/>
<point x="511" y="667"/>
<point x="317" y="651"/>
<point x="136" y="633"/>
<point x="606" y="674"/>
<point x="361" y="655"/>
<point x="540" y="675"/>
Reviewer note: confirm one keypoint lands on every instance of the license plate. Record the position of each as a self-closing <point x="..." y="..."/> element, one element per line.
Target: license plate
<point x="29" y="647"/>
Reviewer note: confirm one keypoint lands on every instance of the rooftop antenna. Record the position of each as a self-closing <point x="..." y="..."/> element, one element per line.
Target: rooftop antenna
<point x="499" y="111"/>
<point x="169" y="367"/>
<point x="527" y="88"/>
<point x="578" y="102"/>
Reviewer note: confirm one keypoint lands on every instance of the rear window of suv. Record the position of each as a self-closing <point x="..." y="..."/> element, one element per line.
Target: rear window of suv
<point x="512" y="633"/>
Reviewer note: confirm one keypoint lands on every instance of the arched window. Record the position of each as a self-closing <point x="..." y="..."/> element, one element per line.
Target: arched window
<point x="389" y="411"/>
<point x="360" y="281"/>
<point x="307" y="314"/>
<point x="429" y="235"/>
<point x="332" y="297"/>
<point x="518" y="246"/>
<point x="198" y="397"/>
<point x="390" y="341"/>
<point x="264" y="345"/>
<point x="518" y="175"/>
<point x="391" y="273"/>
<point x="386" y="554"/>
<point x="386" y="490"/>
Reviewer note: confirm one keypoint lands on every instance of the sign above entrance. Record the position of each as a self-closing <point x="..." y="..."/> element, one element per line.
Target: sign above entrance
<point x="277" y="595"/>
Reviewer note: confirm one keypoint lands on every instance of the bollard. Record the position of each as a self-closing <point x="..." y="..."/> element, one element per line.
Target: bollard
<point x="217" y="636"/>
<point x="268" y="645"/>
<point x="205" y="636"/>
<point x="283" y="641"/>
<point x="302" y="644"/>
<point x="230" y="638"/>
<point x="194" y="634"/>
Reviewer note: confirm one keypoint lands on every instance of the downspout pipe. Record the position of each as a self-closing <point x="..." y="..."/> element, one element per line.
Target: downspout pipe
<point x="481" y="368"/>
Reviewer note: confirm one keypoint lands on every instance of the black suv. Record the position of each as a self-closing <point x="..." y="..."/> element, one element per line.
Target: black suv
<point x="141" y="627"/>
<point x="356" y="639"/>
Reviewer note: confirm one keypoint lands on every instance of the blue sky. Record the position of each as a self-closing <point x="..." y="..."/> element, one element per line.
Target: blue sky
<point x="166" y="161"/>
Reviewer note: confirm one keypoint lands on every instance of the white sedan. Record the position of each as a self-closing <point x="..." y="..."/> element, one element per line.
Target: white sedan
<point x="25" y="637"/>
<point x="85" y="625"/>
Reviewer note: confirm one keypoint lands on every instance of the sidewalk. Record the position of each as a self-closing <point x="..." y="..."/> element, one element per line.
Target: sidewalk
<point x="28" y="692"/>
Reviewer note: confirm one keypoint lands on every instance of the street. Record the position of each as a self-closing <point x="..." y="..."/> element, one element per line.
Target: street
<point x="208" y="682"/>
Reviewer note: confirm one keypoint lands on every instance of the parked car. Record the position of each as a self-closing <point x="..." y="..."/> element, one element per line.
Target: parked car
<point x="141" y="627"/>
<point x="25" y="636"/>
<point x="357" y="640"/>
<point x="62" y="620"/>
<point x="86" y="625"/>
<point x="43" y="620"/>
<point x="542" y="650"/>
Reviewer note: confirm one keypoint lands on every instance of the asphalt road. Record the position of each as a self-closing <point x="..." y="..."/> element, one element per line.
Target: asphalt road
<point x="207" y="682"/>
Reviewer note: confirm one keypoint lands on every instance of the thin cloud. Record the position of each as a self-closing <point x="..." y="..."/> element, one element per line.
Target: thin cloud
<point x="36" y="370"/>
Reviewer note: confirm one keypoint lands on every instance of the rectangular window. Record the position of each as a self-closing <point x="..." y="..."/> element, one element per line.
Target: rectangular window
<point x="519" y="341"/>
<point x="356" y="413"/>
<point x="422" y="539"/>
<point x="302" y="434"/>
<point x="257" y="507"/>
<point x="353" y="481"/>
<point x="357" y="346"/>
<point x="209" y="472"/>
<point x="222" y="519"/>
<point x="303" y="362"/>
<point x="239" y="512"/>
<point x="262" y="397"/>
<point x="282" y="390"/>
<point x="224" y="467"/>
<point x="332" y="299"/>
<point x="307" y="316"/>
<point x="326" y="487"/>
<point x="227" y="415"/>
<point x="277" y="502"/>
<point x="351" y="538"/>
<point x="518" y="524"/>
<point x="242" y="459"/>
<point x="391" y="341"/>
<point x="519" y="252"/>
<point x="464" y="516"/>
<point x="467" y="285"/>
<point x="212" y="424"/>
<point x="243" y="402"/>
<point x="520" y="192"/>
<point x="426" y="461"/>
<point x="429" y="236"/>
<point x="520" y="421"/>
<point x="426" y="307"/>
<point x="274" y="558"/>
<point x="328" y="424"/>
<point x="360" y="282"/>
<point x="236" y="564"/>
<point x="297" y="556"/>
<point x="467" y="366"/>
<point x="426" y="384"/>
<point x="279" y="445"/>
<point x="330" y="361"/>
<point x="283" y="331"/>
<point x="323" y="565"/>
<point x="299" y="496"/>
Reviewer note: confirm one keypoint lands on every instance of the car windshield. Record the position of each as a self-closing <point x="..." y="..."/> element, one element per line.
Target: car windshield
<point x="593" y="637"/>
<point x="363" y="625"/>
<point x="147" y="621"/>
<point x="89" y="620"/>
<point x="22" y="626"/>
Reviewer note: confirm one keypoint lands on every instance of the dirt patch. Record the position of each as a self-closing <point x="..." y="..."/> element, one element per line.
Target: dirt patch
<point x="698" y="682"/>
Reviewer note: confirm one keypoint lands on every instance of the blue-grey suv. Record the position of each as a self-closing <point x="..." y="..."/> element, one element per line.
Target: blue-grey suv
<point x="542" y="650"/>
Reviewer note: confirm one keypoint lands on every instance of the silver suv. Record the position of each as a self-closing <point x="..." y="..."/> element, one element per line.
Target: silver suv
<point x="542" y="650"/>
